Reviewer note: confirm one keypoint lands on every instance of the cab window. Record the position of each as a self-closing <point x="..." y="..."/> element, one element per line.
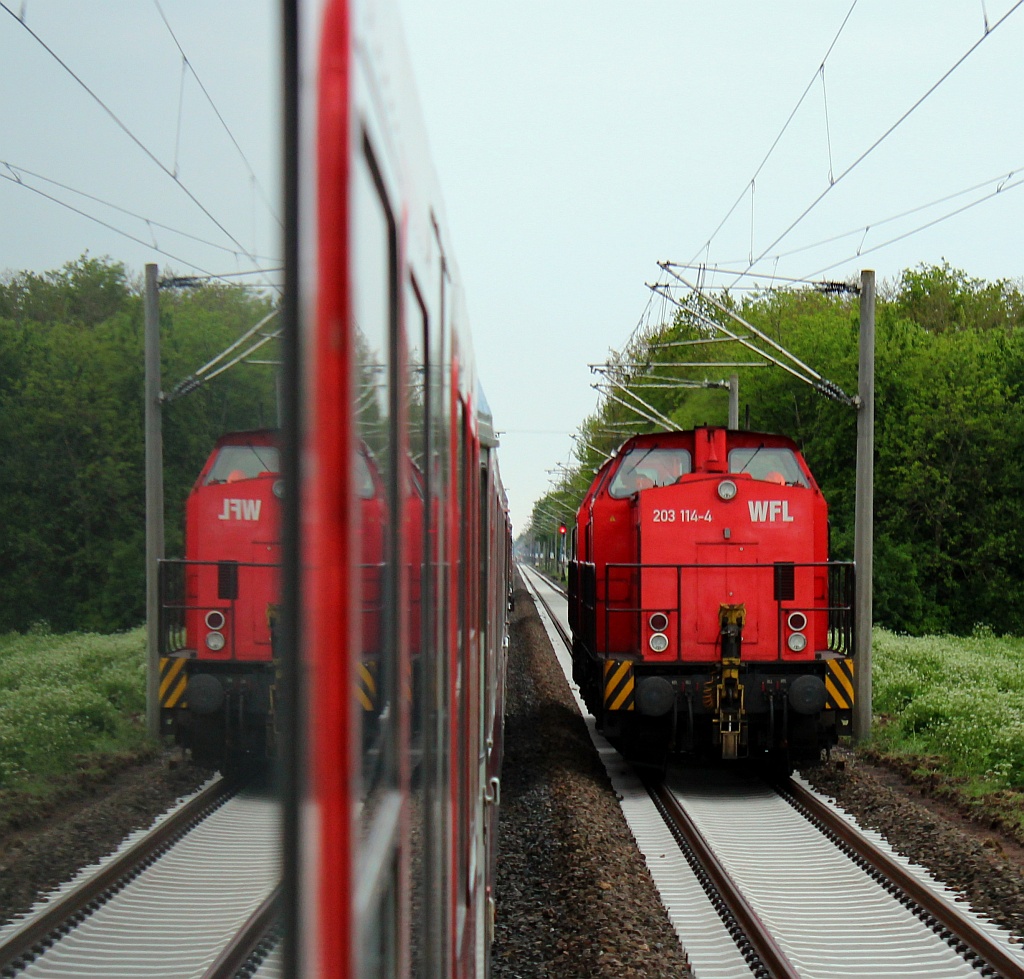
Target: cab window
<point x="770" y="465"/>
<point x="644" y="468"/>
<point x="235" y="462"/>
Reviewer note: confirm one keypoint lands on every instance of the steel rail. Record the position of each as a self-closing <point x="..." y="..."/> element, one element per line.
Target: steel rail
<point x="555" y="585"/>
<point x="959" y="931"/>
<point x="245" y="948"/>
<point x="763" y="954"/>
<point x="566" y="638"/>
<point x="65" y="912"/>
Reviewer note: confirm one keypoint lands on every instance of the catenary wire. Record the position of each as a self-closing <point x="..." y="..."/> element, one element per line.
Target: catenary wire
<point x="930" y="224"/>
<point x="1004" y="185"/>
<point x="1002" y="179"/>
<point x="15" y="169"/>
<point x="124" y="128"/>
<point x="749" y="185"/>
<point x="99" y="221"/>
<point x="863" y="156"/>
<point x="223" y="122"/>
<point x="125" y="234"/>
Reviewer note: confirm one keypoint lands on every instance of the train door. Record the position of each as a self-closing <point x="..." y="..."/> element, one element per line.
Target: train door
<point x="493" y="605"/>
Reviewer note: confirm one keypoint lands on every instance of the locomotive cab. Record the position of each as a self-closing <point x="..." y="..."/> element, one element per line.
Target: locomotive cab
<point x="706" y="615"/>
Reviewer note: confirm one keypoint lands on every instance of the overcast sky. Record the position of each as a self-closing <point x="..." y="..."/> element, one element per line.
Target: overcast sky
<point x="577" y="144"/>
<point x="142" y="138"/>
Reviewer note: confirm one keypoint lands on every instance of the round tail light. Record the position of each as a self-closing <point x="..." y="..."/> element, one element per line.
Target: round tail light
<point x="215" y="619"/>
<point x="658" y="622"/>
<point x="797" y="621"/>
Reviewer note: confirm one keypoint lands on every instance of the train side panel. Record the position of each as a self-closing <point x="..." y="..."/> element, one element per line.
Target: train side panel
<point x="405" y="541"/>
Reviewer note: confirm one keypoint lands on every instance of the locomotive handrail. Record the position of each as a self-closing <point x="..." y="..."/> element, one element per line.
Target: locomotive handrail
<point x="840" y="615"/>
<point x="583" y="602"/>
<point x="173" y="604"/>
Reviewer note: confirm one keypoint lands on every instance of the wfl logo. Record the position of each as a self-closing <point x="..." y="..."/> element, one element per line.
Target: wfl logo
<point x="769" y="511"/>
<point x="241" y="510"/>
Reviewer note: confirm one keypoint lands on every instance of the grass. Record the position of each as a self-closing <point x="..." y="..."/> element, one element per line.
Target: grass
<point x="954" y="707"/>
<point x="69" y="704"/>
<point x="72" y="707"/>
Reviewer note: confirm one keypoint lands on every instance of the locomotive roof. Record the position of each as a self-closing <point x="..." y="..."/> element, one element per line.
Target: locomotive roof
<point x="684" y="438"/>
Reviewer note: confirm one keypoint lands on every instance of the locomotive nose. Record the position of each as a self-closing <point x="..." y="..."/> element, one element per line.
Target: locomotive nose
<point x="807" y="694"/>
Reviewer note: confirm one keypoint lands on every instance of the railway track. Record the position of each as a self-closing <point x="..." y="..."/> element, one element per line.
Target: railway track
<point x="797" y="890"/>
<point x="195" y="897"/>
<point x="810" y="894"/>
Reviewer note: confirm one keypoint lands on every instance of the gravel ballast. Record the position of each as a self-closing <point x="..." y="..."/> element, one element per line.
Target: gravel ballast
<point x="574" y="894"/>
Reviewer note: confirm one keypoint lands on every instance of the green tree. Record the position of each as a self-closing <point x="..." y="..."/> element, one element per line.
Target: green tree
<point x="72" y="488"/>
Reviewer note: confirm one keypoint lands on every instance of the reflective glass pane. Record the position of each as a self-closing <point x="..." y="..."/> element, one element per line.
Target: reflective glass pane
<point x="373" y="311"/>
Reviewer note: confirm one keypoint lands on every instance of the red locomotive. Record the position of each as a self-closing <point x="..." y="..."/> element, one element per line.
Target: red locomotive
<point x="220" y="606"/>
<point x="396" y="580"/>
<point x="706" y="614"/>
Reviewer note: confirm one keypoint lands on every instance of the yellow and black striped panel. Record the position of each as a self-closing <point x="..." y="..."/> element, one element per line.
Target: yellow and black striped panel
<point x="839" y="684"/>
<point x="366" y="686"/>
<point x="173" y="681"/>
<point x="618" y="685"/>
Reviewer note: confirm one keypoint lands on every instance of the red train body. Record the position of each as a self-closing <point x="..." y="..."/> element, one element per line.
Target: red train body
<point x="706" y="614"/>
<point x="220" y="606"/>
<point x="402" y="565"/>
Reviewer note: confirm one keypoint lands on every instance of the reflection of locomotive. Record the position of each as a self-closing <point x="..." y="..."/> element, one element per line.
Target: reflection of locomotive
<point x="706" y="615"/>
<point x="219" y="606"/>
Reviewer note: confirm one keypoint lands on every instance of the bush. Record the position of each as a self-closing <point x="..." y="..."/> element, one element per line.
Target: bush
<point x="66" y="696"/>
<point x="955" y="697"/>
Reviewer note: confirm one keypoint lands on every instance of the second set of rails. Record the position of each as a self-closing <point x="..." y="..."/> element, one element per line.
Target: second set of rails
<point x="790" y="882"/>
<point x="196" y="895"/>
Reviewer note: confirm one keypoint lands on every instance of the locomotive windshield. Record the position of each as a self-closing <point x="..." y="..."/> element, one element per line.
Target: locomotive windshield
<point x="775" y="465"/>
<point x="235" y="462"/>
<point x="643" y="468"/>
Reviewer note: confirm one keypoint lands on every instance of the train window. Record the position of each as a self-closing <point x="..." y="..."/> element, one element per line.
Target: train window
<point x="418" y="522"/>
<point x="235" y="462"/>
<point x="642" y="468"/>
<point x="432" y="939"/>
<point x="377" y="665"/>
<point x="771" y="465"/>
<point x="366" y="488"/>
